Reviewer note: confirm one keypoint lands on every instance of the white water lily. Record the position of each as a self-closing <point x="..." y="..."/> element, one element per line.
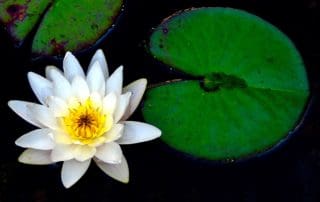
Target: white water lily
<point x="82" y="117"/>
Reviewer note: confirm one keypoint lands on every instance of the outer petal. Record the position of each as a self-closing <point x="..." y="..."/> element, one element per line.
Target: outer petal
<point x="122" y="106"/>
<point x="109" y="153"/>
<point x="35" y="157"/>
<point x="41" y="87"/>
<point x="50" y="69"/>
<point x="36" y="139"/>
<point x="22" y="108"/>
<point x="99" y="56"/>
<point x="119" y="171"/>
<point x="62" y="152"/>
<point x="114" y="83"/>
<point x="72" y="171"/>
<point x="71" y="67"/>
<point x="95" y="79"/>
<point x="61" y="86"/>
<point x="137" y="89"/>
<point x="44" y="115"/>
<point x="80" y="88"/>
<point x="135" y="132"/>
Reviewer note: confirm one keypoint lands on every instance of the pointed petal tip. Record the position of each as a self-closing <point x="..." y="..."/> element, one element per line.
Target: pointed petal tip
<point x="119" y="172"/>
<point x="120" y="68"/>
<point x="11" y="103"/>
<point x="72" y="171"/>
<point x="37" y="139"/>
<point x="68" y="53"/>
<point x="35" y="157"/>
<point x="99" y="52"/>
<point x="125" y="180"/>
<point x="30" y="74"/>
<point x="136" y="132"/>
<point x="143" y="80"/>
<point x="67" y="186"/>
<point x="21" y="108"/>
<point x="137" y="88"/>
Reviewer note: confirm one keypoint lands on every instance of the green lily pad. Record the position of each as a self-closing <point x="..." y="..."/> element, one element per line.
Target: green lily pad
<point x="252" y="91"/>
<point x="63" y="24"/>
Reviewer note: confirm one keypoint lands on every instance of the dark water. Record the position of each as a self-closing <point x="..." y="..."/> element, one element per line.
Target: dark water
<point x="291" y="173"/>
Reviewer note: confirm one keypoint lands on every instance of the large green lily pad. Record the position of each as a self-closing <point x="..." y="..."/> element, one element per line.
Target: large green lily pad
<point x="63" y="24"/>
<point x="252" y="91"/>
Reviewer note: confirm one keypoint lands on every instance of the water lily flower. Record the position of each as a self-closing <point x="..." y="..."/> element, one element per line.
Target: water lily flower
<point x="82" y="117"/>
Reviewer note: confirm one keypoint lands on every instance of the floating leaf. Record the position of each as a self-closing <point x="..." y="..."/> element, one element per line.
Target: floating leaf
<point x="66" y="24"/>
<point x="253" y="86"/>
<point x="20" y="16"/>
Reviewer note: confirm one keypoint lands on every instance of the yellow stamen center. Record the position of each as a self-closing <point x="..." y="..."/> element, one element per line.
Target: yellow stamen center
<point x="86" y="122"/>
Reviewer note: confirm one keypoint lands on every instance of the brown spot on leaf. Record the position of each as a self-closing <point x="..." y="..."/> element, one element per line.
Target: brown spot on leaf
<point x="165" y="30"/>
<point x="17" y="12"/>
<point x="59" y="47"/>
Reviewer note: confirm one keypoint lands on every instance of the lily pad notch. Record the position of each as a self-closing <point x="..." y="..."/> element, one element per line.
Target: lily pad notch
<point x="60" y="25"/>
<point x="253" y="91"/>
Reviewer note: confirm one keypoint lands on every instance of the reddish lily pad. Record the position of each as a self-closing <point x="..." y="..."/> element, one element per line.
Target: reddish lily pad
<point x="71" y="25"/>
<point x="20" y="16"/>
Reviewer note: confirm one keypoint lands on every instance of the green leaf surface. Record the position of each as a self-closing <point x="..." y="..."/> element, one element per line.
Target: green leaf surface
<point x="66" y="25"/>
<point x="253" y="91"/>
<point x="20" y="16"/>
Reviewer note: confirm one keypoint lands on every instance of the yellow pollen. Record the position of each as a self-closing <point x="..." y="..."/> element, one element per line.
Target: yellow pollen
<point x="85" y="122"/>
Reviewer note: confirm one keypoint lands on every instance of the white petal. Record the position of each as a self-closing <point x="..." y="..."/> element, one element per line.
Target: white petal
<point x="109" y="153"/>
<point x="96" y="79"/>
<point x="72" y="171"/>
<point x="62" y="138"/>
<point x="61" y="86"/>
<point x="114" y="83"/>
<point x="62" y="152"/>
<point x="80" y="88"/>
<point x="122" y="105"/>
<point x="71" y="67"/>
<point x="44" y="115"/>
<point x="35" y="157"/>
<point x="119" y="171"/>
<point x="137" y="89"/>
<point x="41" y="87"/>
<point x="36" y="139"/>
<point x="22" y="108"/>
<point x="50" y="69"/>
<point x="109" y="103"/>
<point x="83" y="152"/>
<point x="135" y="132"/>
<point x="99" y="56"/>
<point x="114" y="133"/>
<point x="96" y="99"/>
<point x="58" y="106"/>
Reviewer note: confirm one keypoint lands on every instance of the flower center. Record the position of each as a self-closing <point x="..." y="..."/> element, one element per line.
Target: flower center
<point x="86" y="122"/>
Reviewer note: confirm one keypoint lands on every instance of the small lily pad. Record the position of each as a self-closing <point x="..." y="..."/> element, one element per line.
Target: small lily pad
<point x="20" y="16"/>
<point x="62" y="24"/>
<point x="250" y="86"/>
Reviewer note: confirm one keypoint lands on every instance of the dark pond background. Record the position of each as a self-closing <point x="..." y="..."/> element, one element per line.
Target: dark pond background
<point x="289" y="173"/>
